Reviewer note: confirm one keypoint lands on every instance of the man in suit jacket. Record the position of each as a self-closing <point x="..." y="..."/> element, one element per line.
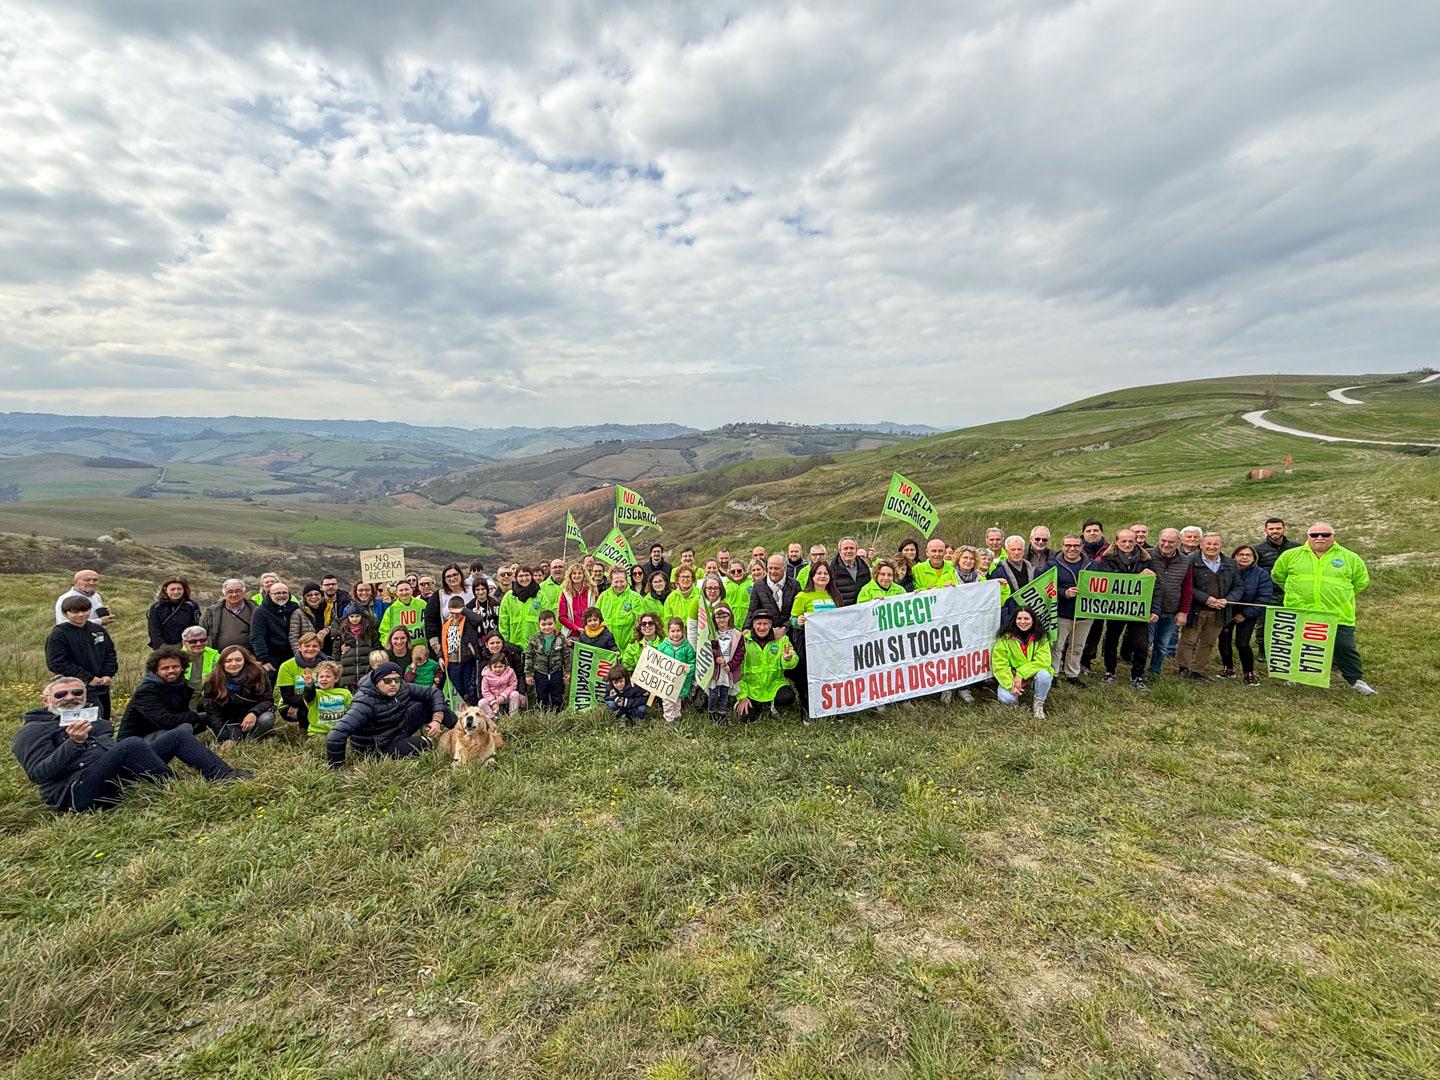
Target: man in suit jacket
<point x="773" y="594"/>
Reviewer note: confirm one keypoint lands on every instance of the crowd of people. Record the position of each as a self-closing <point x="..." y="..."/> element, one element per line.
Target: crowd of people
<point x="381" y="667"/>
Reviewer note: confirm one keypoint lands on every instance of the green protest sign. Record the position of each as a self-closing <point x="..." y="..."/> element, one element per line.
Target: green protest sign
<point x="906" y="502"/>
<point x="589" y="668"/>
<point x="1122" y="597"/>
<point x="630" y="510"/>
<point x="614" y="550"/>
<point x="1299" y="645"/>
<point x="572" y="532"/>
<point x="1043" y="597"/>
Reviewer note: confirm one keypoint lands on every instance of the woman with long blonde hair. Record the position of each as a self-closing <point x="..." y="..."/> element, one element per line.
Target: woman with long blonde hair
<point x="576" y="595"/>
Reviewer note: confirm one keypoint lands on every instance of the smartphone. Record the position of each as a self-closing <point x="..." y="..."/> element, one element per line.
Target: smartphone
<point x="79" y="716"/>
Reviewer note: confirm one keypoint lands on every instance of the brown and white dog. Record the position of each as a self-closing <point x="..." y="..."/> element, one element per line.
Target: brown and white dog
<point x="474" y="738"/>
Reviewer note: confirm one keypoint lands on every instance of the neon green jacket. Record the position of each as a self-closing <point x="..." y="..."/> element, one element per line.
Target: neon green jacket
<point x="630" y="656"/>
<point x="1009" y="658"/>
<point x="207" y="663"/>
<point x="684" y="652"/>
<point x="549" y="597"/>
<point x="737" y="599"/>
<point x="927" y="577"/>
<point x="872" y="591"/>
<point x="677" y="606"/>
<point x="763" y="673"/>
<point x="519" y="619"/>
<point x="410" y="615"/>
<point x="620" y="611"/>
<point x="802" y="576"/>
<point x="1326" y="583"/>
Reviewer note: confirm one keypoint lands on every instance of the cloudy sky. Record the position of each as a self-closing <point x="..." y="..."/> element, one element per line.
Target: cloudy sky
<point x="532" y="213"/>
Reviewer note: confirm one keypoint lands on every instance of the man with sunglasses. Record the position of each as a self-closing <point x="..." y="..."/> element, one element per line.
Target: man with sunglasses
<point x="389" y="716"/>
<point x="79" y="765"/>
<point x="1320" y="575"/>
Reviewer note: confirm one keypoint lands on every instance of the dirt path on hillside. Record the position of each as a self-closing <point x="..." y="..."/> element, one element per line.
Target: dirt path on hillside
<point x="1257" y="418"/>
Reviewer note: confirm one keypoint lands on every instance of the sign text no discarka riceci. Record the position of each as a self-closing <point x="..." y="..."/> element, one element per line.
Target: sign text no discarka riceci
<point x="899" y="648"/>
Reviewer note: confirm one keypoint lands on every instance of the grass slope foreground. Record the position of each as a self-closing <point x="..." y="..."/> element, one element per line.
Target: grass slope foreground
<point x="1209" y="881"/>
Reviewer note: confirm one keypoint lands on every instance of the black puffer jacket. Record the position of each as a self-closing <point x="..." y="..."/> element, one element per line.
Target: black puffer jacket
<point x="847" y="587"/>
<point x="270" y="632"/>
<point x="158" y="706"/>
<point x="374" y="721"/>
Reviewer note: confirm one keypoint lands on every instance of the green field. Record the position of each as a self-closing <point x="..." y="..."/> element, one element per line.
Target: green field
<point x="1210" y="881"/>
<point x="245" y="527"/>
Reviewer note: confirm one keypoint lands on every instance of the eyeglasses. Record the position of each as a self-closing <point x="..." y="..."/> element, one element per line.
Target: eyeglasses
<point x="390" y="678"/>
<point x="1321" y="535"/>
<point x="195" y="640"/>
<point x="57" y="694"/>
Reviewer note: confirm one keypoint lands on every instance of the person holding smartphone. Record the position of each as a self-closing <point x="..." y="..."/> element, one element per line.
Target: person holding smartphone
<point x="72" y="756"/>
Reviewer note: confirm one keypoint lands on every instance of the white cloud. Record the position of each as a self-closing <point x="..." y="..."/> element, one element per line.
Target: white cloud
<point x="570" y="213"/>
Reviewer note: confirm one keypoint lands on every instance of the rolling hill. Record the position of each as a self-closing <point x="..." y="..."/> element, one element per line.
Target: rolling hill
<point x="1210" y="880"/>
<point x="517" y="484"/>
<point x="1130" y="449"/>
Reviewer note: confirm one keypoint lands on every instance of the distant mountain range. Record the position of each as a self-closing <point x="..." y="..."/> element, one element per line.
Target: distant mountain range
<point x="52" y="455"/>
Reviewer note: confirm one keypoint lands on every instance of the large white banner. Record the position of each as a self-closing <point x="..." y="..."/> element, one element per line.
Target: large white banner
<point x="900" y="647"/>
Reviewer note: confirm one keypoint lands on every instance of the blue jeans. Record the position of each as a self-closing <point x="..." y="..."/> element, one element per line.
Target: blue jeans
<point x="1039" y="683"/>
<point x="1164" y="634"/>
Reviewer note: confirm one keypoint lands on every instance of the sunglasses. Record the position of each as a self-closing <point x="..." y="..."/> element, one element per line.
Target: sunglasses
<point x="1321" y="535"/>
<point x="67" y="693"/>
<point x="390" y="678"/>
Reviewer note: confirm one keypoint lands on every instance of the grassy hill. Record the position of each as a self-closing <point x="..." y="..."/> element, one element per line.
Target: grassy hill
<point x="1211" y="881"/>
<point x="1121" y="455"/>
<point x="517" y="484"/>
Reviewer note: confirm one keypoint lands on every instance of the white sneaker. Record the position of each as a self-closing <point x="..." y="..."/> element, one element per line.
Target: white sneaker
<point x="1039" y="710"/>
<point x="946" y="696"/>
<point x="1360" y="686"/>
<point x="967" y="697"/>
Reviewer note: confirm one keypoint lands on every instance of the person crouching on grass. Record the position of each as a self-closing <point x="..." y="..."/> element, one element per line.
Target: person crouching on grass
<point x="1020" y="659"/>
<point x="388" y="717"/>
<point x="762" y="674"/>
<point x="78" y="765"/>
<point x="624" y="698"/>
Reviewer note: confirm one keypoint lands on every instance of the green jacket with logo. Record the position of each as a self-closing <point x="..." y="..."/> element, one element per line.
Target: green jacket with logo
<point x="763" y="673"/>
<point x="1326" y="583"/>
<point x="410" y="615"/>
<point x="620" y="611"/>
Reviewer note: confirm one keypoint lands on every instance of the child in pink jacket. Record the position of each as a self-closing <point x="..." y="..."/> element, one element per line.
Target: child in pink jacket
<point x="499" y="688"/>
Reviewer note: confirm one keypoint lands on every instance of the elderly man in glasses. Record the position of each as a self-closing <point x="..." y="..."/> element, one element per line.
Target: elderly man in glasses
<point x="389" y="716"/>
<point x="73" y="757"/>
<point x="1320" y="575"/>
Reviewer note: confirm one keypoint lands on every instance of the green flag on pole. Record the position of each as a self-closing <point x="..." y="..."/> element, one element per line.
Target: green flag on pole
<point x="614" y="550"/>
<point x="1043" y="597"/>
<point x="572" y="532"/>
<point x="1299" y="645"/>
<point x="630" y="510"/>
<point x="589" y="669"/>
<point x="908" y="503"/>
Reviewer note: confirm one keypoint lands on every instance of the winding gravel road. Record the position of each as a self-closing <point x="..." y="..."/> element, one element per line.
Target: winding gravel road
<point x="1257" y="418"/>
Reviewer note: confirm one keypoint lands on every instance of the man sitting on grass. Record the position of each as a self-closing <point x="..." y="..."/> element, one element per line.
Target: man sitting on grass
<point x="78" y="765"/>
<point x="388" y="716"/>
